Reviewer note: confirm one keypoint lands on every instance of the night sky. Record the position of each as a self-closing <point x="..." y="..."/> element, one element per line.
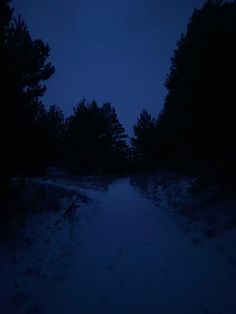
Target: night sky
<point x="108" y="50"/>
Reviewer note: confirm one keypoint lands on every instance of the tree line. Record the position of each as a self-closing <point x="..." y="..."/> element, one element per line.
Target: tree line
<point x="194" y="133"/>
<point x="91" y="140"/>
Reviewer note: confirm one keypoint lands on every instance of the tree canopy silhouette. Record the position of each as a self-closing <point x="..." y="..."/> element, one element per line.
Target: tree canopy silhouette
<point x="23" y="69"/>
<point x="95" y="139"/>
<point x="143" y="142"/>
<point x="54" y="133"/>
<point x="197" y="122"/>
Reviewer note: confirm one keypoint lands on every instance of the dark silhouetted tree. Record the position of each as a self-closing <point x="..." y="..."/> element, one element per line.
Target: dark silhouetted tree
<point x="196" y="127"/>
<point x="144" y="140"/>
<point x="113" y="139"/>
<point x="95" y="139"/>
<point x="23" y="68"/>
<point x="55" y="132"/>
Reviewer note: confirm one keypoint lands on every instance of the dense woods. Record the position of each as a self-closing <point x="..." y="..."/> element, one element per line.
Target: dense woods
<point x="95" y="139"/>
<point x="93" y="220"/>
<point x="195" y="131"/>
<point x="197" y="119"/>
<point x="23" y="70"/>
<point x="193" y="134"/>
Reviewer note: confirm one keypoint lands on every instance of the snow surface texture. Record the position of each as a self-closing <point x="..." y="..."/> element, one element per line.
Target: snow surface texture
<point x="107" y="249"/>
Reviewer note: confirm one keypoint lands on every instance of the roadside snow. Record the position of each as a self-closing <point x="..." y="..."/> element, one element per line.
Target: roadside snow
<point x="117" y="253"/>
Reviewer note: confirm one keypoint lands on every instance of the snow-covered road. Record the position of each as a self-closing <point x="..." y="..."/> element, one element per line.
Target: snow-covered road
<point x="120" y="254"/>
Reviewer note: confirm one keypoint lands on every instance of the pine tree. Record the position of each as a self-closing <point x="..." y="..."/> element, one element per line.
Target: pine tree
<point x="23" y="68"/>
<point x="197" y="121"/>
<point x="95" y="139"/>
<point x="144" y="140"/>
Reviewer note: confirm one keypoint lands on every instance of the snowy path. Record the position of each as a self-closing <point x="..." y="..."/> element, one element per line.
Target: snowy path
<point x="130" y="258"/>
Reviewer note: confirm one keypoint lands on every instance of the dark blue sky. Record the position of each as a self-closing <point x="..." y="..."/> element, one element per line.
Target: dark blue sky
<point x="108" y="50"/>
